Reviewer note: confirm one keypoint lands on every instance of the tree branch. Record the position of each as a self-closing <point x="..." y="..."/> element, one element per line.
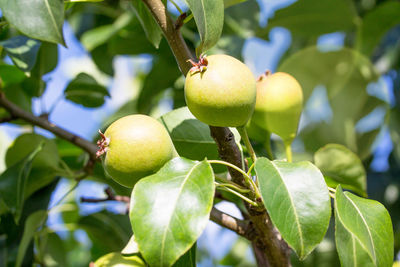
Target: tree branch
<point x="239" y="226"/>
<point x="42" y="122"/>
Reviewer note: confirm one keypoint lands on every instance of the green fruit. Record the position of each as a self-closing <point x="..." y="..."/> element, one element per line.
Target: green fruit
<point x="223" y="94"/>
<point x="115" y="259"/>
<point x="137" y="146"/>
<point x="279" y="105"/>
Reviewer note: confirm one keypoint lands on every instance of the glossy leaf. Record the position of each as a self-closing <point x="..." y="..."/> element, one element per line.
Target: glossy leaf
<point x="22" y="51"/>
<point x="296" y="197"/>
<point x="311" y="18"/>
<point x="34" y="221"/>
<point x="150" y="26"/>
<point x="209" y="17"/>
<point x="131" y="248"/>
<point x="341" y="166"/>
<point x="172" y="207"/>
<point x="376" y="24"/>
<point x="85" y="90"/>
<point x="364" y="233"/>
<point x="13" y="183"/>
<point x="344" y="76"/>
<point x="39" y="19"/>
<point x="116" y="259"/>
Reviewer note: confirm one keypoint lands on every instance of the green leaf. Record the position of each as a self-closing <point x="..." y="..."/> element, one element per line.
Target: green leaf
<point x="11" y="75"/>
<point x="209" y="17"/>
<point x="296" y="197"/>
<point x="311" y="18"/>
<point x="340" y="165"/>
<point x="45" y="165"/>
<point x="22" y="51"/>
<point x="46" y="61"/>
<point x="115" y="227"/>
<point x="13" y="183"/>
<point x="84" y="90"/>
<point x="100" y="35"/>
<point x="87" y="1"/>
<point x="228" y="3"/>
<point x="53" y="250"/>
<point x="345" y="74"/>
<point x="162" y="76"/>
<point x="150" y="26"/>
<point x="239" y="23"/>
<point x="34" y="221"/>
<point x="364" y="233"/>
<point x="172" y="207"/>
<point x="116" y="259"/>
<point x="131" y="248"/>
<point x="188" y="259"/>
<point x="39" y="19"/>
<point x="376" y="24"/>
<point x="191" y="137"/>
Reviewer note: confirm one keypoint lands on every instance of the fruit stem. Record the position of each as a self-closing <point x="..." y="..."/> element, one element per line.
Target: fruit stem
<point x="249" y="181"/>
<point x="288" y="150"/>
<point x="222" y="187"/>
<point x="267" y="146"/>
<point x="243" y="133"/>
<point x="225" y="183"/>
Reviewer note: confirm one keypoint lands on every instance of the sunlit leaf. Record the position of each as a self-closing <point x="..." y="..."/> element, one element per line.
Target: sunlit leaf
<point x="296" y="197"/>
<point x="173" y="207"/>
<point x="150" y="26"/>
<point x="39" y="19"/>
<point x="116" y="259"/>
<point x="364" y="233"/>
<point x="209" y="17"/>
<point x="131" y="248"/>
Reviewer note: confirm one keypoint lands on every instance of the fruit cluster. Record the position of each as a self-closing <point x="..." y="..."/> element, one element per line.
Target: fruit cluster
<point x="219" y="91"/>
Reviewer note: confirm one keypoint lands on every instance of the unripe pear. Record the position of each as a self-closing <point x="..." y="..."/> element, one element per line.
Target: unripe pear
<point x="220" y="91"/>
<point x="135" y="146"/>
<point x="279" y="105"/>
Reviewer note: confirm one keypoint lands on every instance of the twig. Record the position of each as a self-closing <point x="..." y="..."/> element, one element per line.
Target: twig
<point x="42" y="122"/>
<point x="239" y="226"/>
<point x="110" y="197"/>
<point x="180" y="20"/>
